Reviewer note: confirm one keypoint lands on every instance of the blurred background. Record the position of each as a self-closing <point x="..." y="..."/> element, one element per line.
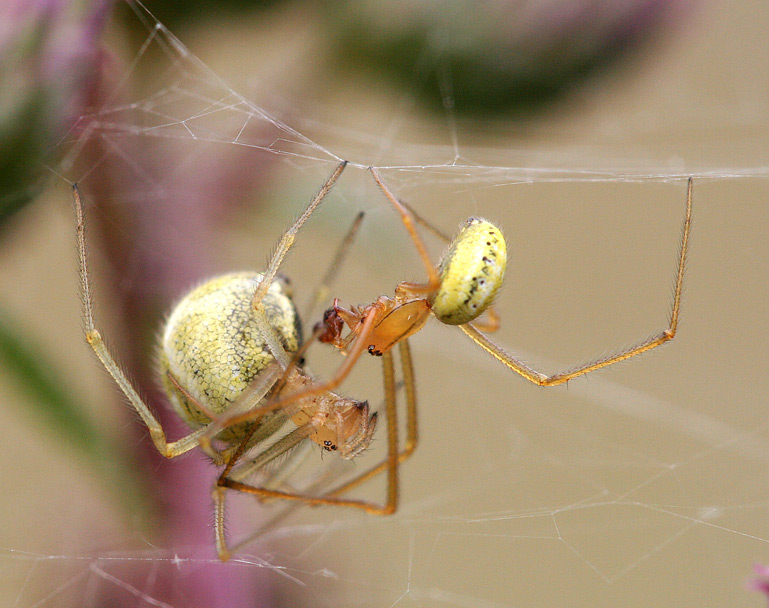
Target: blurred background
<point x="197" y="134"/>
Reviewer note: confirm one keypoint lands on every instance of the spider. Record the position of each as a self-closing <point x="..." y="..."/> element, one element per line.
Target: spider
<point x="233" y="345"/>
<point x="457" y="292"/>
<point x="231" y="352"/>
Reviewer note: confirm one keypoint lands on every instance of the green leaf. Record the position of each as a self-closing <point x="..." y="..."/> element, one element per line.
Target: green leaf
<point x="60" y="412"/>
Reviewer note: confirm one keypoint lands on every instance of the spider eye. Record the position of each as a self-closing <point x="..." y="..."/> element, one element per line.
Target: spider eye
<point x="328" y="445"/>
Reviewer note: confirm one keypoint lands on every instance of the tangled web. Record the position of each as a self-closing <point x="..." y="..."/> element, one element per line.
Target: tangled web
<point x="639" y="485"/>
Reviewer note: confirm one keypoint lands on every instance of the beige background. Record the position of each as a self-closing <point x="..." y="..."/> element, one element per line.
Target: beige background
<point x="642" y="485"/>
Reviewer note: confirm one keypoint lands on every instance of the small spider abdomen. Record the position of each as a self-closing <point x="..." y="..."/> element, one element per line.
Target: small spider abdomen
<point x="212" y="346"/>
<point x="471" y="273"/>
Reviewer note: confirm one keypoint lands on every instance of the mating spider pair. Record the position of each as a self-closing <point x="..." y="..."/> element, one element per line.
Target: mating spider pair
<point x="231" y="349"/>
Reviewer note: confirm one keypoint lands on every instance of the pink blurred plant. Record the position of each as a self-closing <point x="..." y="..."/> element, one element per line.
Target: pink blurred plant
<point x="55" y="74"/>
<point x="49" y="68"/>
<point x="761" y="582"/>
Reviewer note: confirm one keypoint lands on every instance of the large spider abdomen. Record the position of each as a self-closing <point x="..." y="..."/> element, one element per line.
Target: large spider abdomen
<point x="471" y="273"/>
<point x="212" y="345"/>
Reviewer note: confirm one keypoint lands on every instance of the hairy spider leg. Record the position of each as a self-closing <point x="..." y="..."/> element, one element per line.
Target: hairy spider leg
<point x="281" y="249"/>
<point x="169" y="449"/>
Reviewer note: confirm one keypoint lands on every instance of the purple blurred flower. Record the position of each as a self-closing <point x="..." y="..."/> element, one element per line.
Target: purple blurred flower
<point x="49" y="69"/>
<point x="52" y="70"/>
<point x="762" y="582"/>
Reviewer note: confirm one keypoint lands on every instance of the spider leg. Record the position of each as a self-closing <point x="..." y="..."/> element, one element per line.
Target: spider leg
<point x="169" y="449"/>
<point x="243" y="409"/>
<point x="433" y="279"/>
<point x="394" y="456"/>
<point x="253" y="394"/>
<point x="273" y="477"/>
<point x="226" y="480"/>
<point x="561" y="377"/>
<point x="270" y="422"/>
<point x="281" y="249"/>
<point x="492" y="321"/>
<point x="288" y="442"/>
<point x="412" y="435"/>
<point x="323" y="387"/>
<point x="322" y="291"/>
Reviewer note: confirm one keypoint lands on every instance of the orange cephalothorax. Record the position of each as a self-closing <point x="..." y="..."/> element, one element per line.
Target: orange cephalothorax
<point x="395" y="319"/>
<point x="346" y="427"/>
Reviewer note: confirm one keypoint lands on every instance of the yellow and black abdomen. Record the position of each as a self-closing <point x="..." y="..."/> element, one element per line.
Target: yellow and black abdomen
<point x="471" y="273"/>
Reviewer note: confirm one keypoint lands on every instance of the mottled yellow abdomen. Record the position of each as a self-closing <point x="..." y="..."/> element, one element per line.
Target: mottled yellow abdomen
<point x="212" y="345"/>
<point x="471" y="273"/>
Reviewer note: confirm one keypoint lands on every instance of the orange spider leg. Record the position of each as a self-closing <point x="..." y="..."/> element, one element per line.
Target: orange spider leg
<point x="324" y="387"/>
<point x="412" y="434"/>
<point x="433" y="279"/>
<point x="562" y="377"/>
<point x="332" y="498"/>
<point x="492" y="322"/>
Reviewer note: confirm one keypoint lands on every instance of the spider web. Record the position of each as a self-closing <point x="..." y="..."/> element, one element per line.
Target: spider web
<point x="639" y="485"/>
